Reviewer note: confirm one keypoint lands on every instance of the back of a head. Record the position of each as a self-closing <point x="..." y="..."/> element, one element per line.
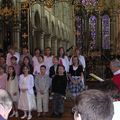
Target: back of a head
<point x="94" y="105"/>
<point x="115" y="65"/>
<point x="5" y="99"/>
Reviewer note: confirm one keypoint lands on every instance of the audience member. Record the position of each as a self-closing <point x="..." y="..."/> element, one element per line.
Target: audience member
<point x="59" y="83"/>
<point x="5" y="104"/>
<point x="93" y="105"/>
<point x="115" y="67"/>
<point x="63" y="59"/>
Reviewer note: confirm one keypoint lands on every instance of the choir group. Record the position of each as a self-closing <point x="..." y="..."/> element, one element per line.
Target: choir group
<point x="31" y="80"/>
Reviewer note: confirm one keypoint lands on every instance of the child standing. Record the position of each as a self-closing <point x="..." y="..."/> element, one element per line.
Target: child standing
<point x="59" y="84"/>
<point x="12" y="88"/>
<point x="42" y="81"/>
<point x="27" y="97"/>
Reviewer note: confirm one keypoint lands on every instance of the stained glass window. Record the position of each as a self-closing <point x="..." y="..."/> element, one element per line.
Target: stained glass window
<point x="89" y="2"/>
<point x="79" y="24"/>
<point x="93" y="31"/>
<point x="105" y="32"/>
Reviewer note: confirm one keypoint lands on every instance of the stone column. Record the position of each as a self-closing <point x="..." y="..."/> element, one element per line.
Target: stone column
<point x="54" y="45"/>
<point x="42" y="41"/>
<point x="47" y="41"/>
<point x="16" y="39"/>
<point x="59" y="43"/>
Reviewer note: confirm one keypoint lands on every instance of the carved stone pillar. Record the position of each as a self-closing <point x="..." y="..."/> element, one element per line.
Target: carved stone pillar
<point x="54" y="45"/>
<point x="42" y="41"/>
<point x="16" y="38"/>
<point x="47" y="41"/>
<point x="59" y="43"/>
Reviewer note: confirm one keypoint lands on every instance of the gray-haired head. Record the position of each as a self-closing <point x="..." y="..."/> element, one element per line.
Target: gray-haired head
<point x="115" y="63"/>
<point x="5" y="98"/>
<point x="5" y="103"/>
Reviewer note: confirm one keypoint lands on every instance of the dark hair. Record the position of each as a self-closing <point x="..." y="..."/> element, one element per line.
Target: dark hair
<point x="36" y="50"/>
<point x="56" y="57"/>
<point x="59" y="52"/>
<point x="27" y="66"/>
<point x="27" y="58"/>
<point x="42" y="56"/>
<point x="77" y="59"/>
<point x="2" y="67"/>
<point x="25" y="46"/>
<point x="13" y="58"/>
<point x="49" y="49"/>
<point x="2" y="56"/>
<point x="13" y="74"/>
<point x="43" y="66"/>
<point x="94" y="105"/>
<point x="60" y="65"/>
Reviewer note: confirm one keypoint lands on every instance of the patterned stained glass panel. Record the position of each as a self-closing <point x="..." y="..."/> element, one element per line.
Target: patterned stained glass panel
<point x="105" y="32"/>
<point x="79" y="24"/>
<point x="89" y="2"/>
<point x="93" y="31"/>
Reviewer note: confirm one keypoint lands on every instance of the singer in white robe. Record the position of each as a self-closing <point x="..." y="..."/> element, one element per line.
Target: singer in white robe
<point x="27" y="98"/>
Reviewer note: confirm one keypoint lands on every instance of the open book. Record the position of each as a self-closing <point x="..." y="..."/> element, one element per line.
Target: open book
<point x="96" y="77"/>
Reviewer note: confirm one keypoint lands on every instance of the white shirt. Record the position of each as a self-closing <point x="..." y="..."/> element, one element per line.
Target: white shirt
<point x="81" y="60"/>
<point x="8" y="58"/>
<point x="116" y="115"/>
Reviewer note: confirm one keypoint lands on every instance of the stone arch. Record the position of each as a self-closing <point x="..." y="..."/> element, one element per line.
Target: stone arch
<point x="36" y="25"/>
<point x="46" y="25"/>
<point x="37" y="20"/>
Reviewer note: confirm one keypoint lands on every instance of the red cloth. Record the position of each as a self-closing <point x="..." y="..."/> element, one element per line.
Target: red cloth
<point x="116" y="80"/>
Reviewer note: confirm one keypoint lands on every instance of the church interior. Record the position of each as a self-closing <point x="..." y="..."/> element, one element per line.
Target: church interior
<point x="93" y="26"/>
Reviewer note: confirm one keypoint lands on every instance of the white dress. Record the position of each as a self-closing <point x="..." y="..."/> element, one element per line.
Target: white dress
<point x="27" y="98"/>
<point x="12" y="88"/>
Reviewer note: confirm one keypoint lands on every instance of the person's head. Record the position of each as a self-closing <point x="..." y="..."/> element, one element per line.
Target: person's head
<point x="77" y="51"/>
<point x="47" y="51"/>
<point x="5" y="103"/>
<point x="26" y="69"/>
<point x="2" y="70"/>
<point x="13" y="60"/>
<point x="55" y="60"/>
<point x="115" y="65"/>
<point x="42" y="69"/>
<point x="75" y="60"/>
<point x="60" y="69"/>
<point x="11" y="50"/>
<point x="2" y="60"/>
<point x="26" y="60"/>
<point x="25" y="50"/>
<point x="11" y="72"/>
<point x="61" y="52"/>
<point x="93" y="105"/>
<point x="41" y="59"/>
<point x="37" y="52"/>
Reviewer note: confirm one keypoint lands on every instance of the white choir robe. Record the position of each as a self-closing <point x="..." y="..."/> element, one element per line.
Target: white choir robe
<point x="48" y="63"/>
<point x="12" y="88"/>
<point x="66" y="63"/>
<point x="27" y="98"/>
